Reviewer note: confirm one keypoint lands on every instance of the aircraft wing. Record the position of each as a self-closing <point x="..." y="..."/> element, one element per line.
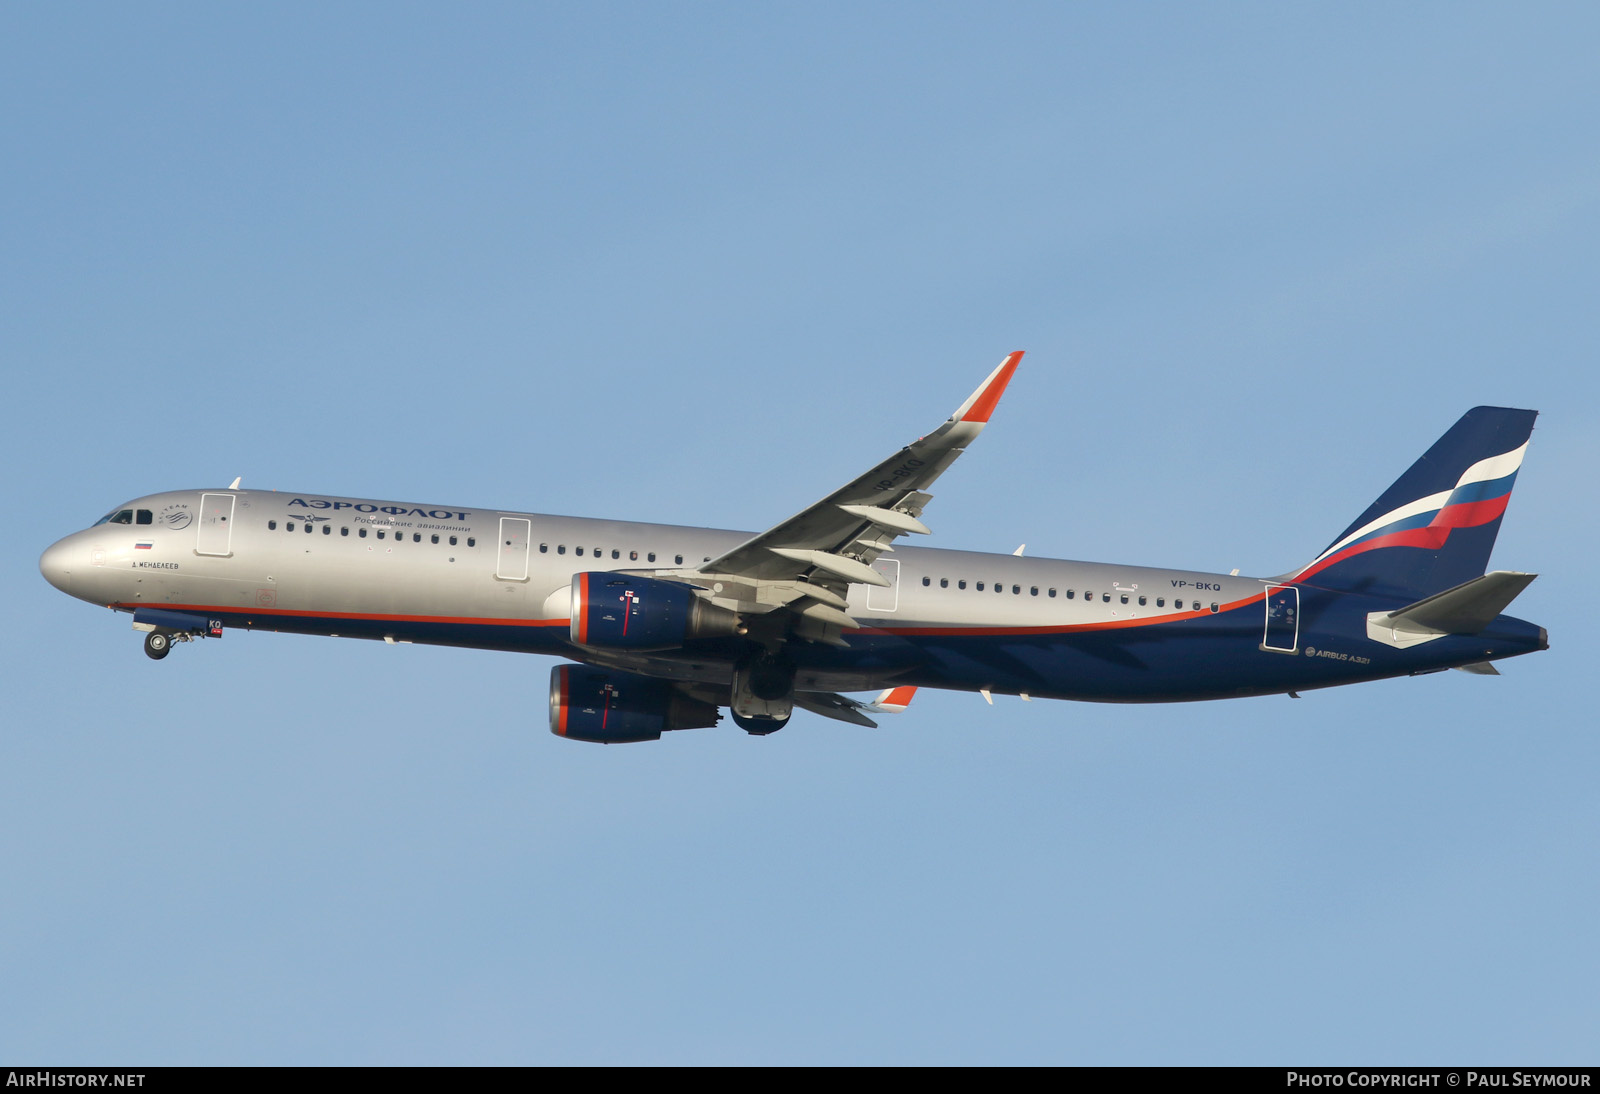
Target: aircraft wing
<point x="842" y="708"/>
<point x="815" y="555"/>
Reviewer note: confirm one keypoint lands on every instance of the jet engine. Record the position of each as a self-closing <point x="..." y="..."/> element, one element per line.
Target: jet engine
<point x="607" y="707"/>
<point x="628" y="612"/>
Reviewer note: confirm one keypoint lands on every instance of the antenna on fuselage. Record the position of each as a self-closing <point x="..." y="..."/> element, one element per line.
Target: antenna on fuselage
<point x="234" y="485"/>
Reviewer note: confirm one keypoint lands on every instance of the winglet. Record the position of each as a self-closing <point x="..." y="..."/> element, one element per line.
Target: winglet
<point x="981" y="403"/>
<point x="892" y="701"/>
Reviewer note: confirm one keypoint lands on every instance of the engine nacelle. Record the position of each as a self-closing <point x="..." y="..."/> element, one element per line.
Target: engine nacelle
<point x="607" y="707"/>
<point x="628" y="612"/>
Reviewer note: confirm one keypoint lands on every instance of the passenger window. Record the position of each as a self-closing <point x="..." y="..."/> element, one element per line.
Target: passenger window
<point x="416" y="537"/>
<point x="1071" y="594"/>
<point x="344" y="530"/>
<point x="944" y="583"/>
<point x="615" y="553"/>
<point x="678" y="560"/>
<point x="927" y="581"/>
<point x="561" y="548"/>
<point x="999" y="588"/>
<point x="544" y="548"/>
<point x="578" y="551"/>
<point x="327" y="529"/>
<point x="1161" y="602"/>
<point x="1215" y="608"/>
<point x="980" y="586"/>
<point x="1124" y="598"/>
<point x="380" y="533"/>
<point x="1052" y="592"/>
<point x="309" y="528"/>
<point x="633" y="556"/>
<point x="362" y="532"/>
<point x="962" y="584"/>
<point x="472" y="541"/>
<point x="1034" y="591"/>
<point x="453" y="543"/>
<point x="1105" y="598"/>
<point x="289" y="525"/>
<point x="651" y="556"/>
<point x="1016" y="590"/>
<point x="272" y="526"/>
<point x="145" y="516"/>
<point x="1141" y="602"/>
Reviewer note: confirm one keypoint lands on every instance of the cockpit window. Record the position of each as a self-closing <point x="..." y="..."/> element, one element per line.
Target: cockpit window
<point x="144" y="516"/>
<point x="121" y="516"/>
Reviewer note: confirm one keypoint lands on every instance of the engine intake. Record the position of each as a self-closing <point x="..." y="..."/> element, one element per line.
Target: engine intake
<point x="607" y="707"/>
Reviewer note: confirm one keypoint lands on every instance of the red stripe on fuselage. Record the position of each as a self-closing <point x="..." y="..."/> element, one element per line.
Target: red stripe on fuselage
<point x="912" y="632"/>
<point x="287" y="613"/>
<point x="1064" y="628"/>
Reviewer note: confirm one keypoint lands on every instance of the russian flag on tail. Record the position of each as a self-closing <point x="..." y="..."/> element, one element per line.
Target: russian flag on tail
<point x="1435" y="527"/>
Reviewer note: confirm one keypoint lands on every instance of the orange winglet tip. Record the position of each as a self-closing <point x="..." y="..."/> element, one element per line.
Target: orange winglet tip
<point x="987" y="397"/>
<point x="894" y="700"/>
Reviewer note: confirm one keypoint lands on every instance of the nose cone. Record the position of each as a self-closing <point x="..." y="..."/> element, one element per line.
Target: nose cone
<point x="55" y="565"/>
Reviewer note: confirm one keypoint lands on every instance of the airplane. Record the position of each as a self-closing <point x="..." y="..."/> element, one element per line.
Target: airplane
<point x="663" y="625"/>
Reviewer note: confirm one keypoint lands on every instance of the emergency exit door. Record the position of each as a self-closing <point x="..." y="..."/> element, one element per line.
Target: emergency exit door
<point x="512" y="556"/>
<point x="215" y="536"/>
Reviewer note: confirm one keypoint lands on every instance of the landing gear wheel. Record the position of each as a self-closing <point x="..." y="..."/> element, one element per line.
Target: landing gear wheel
<point x="157" y="645"/>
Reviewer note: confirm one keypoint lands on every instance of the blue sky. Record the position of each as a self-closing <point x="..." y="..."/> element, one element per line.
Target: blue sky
<point x="701" y="263"/>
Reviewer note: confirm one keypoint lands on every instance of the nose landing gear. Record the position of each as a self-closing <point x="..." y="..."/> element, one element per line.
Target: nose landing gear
<point x="157" y="644"/>
<point x="162" y="628"/>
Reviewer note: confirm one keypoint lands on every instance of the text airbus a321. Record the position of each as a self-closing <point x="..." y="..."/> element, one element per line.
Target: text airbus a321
<point x="669" y="624"/>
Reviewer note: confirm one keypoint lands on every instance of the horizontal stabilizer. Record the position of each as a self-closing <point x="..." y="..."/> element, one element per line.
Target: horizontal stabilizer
<point x="1479" y="668"/>
<point x="1466" y="609"/>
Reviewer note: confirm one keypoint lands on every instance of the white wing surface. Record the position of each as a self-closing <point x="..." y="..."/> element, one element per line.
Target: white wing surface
<point x="808" y="562"/>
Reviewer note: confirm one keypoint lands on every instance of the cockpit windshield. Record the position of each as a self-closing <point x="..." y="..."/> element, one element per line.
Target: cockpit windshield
<point x="127" y="516"/>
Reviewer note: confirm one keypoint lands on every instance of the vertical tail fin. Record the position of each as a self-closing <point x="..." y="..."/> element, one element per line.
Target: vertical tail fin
<point x="1434" y="528"/>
